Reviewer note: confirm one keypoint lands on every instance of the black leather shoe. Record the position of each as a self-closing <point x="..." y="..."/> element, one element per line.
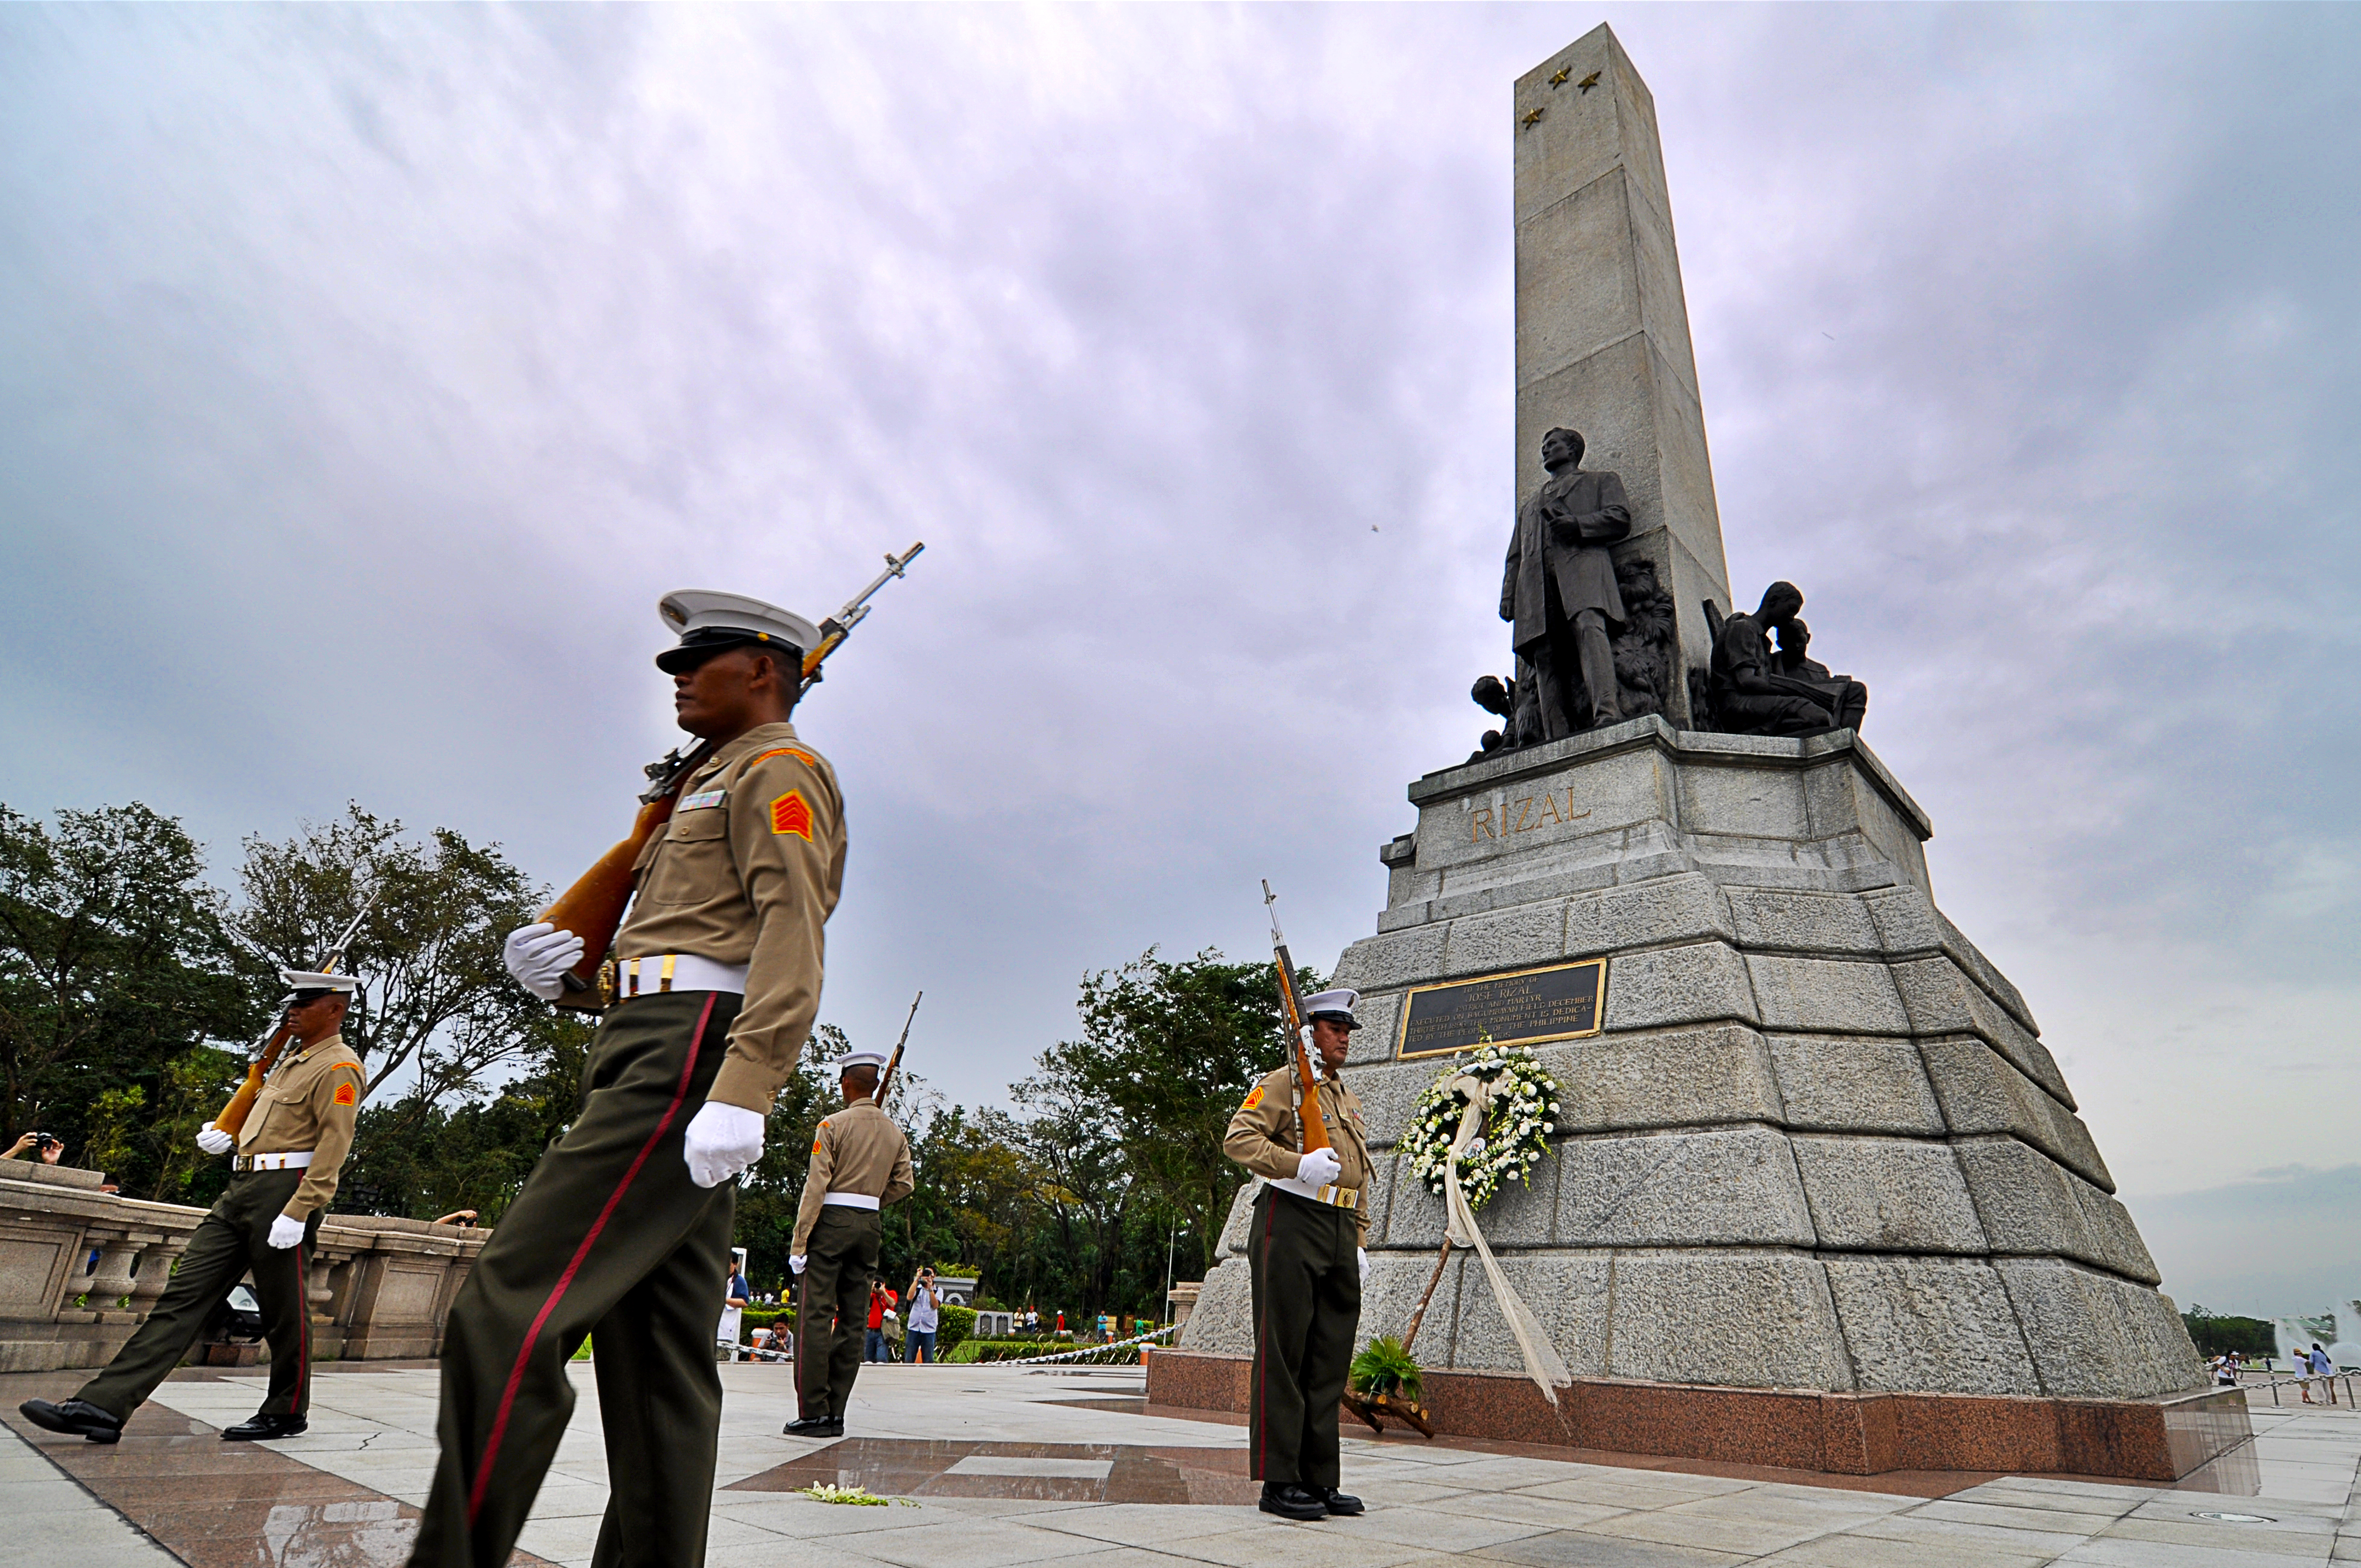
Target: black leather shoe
<point x="814" y="1426"/>
<point x="1291" y="1502"/>
<point x="1336" y="1501"/>
<point x="78" y="1417"/>
<point x="262" y="1428"/>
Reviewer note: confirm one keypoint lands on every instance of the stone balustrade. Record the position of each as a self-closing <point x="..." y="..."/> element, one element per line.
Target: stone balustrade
<point x="79" y="1268"/>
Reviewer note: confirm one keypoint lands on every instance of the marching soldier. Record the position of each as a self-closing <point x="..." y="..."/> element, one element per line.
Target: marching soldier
<point x="1308" y="1260"/>
<point x="620" y="1230"/>
<point x="289" y="1153"/>
<point x="860" y="1161"/>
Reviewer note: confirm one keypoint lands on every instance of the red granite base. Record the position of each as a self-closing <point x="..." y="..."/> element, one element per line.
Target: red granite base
<point x="1847" y="1434"/>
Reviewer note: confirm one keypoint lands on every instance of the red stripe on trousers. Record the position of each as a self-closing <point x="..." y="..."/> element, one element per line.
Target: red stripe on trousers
<point x="1262" y="1351"/>
<point x="303" y="1341"/>
<point x="557" y="1292"/>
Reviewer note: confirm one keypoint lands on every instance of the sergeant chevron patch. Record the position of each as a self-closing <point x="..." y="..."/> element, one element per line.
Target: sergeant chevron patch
<point x="789" y="814"/>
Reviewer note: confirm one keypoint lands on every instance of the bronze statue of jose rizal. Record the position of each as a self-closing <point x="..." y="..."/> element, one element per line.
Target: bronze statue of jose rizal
<point x="1559" y="592"/>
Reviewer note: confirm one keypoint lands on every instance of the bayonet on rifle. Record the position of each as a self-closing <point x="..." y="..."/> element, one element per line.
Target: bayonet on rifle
<point x="886" y="1078"/>
<point x="1290" y="1004"/>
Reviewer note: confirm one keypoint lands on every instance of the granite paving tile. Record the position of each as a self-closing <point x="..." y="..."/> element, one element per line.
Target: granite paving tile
<point x="1580" y="1549"/>
<point x="1865" y="1552"/>
<point x="1286" y="1543"/>
<point x="2016" y="1515"/>
<point x="2281" y="1537"/>
<point x="1431" y="1531"/>
<point x="1555" y="1513"/>
<point x="974" y="1543"/>
<point x="1744" y="1536"/>
<point x="1145" y="1524"/>
<point x="2117" y="1553"/>
<point x="1911" y="1527"/>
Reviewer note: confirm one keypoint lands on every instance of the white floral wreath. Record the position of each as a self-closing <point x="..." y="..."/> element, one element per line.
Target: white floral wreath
<point x="1516" y="1135"/>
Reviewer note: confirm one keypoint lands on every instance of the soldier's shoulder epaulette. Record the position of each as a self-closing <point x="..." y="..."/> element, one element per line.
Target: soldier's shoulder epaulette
<point x="800" y="753"/>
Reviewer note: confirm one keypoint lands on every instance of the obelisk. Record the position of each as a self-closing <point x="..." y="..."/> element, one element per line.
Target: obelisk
<point x="1602" y="328"/>
<point x="1817" y="1195"/>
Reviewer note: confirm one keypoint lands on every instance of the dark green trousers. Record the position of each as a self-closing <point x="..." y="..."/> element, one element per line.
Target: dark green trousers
<point x="833" y="1285"/>
<point x="1305" y="1258"/>
<point x="233" y="1238"/>
<point x="609" y="1239"/>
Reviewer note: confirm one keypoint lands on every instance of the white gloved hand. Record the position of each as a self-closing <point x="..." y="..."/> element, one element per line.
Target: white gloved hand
<point x="795" y="1262"/>
<point x="538" y="954"/>
<point x="722" y="1140"/>
<point x="1365" y="1267"/>
<point x="213" y="1140"/>
<point x="1320" y="1167"/>
<point x="285" y="1231"/>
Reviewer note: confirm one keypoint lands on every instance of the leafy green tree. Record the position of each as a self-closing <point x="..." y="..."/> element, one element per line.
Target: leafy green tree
<point x="119" y="987"/>
<point x="1169" y="1049"/>
<point x="438" y="999"/>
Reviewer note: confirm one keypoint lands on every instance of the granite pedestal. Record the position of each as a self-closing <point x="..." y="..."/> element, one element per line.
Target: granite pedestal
<point x="1816" y="1147"/>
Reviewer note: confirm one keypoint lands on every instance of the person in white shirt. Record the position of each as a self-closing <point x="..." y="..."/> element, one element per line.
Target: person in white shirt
<point x="925" y="1303"/>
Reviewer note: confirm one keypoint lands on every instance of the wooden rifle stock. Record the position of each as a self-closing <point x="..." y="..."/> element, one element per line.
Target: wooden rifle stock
<point x="234" y="1114"/>
<point x="1290" y="1003"/>
<point x="593" y="908"/>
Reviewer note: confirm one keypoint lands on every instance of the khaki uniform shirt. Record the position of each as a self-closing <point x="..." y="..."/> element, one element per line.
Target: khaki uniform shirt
<point x="858" y="1149"/>
<point x="747" y="872"/>
<point x="309" y="1102"/>
<point x="1264" y="1138"/>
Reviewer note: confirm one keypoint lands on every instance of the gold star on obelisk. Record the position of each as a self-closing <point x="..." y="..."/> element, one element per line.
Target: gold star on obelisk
<point x="1559" y="79"/>
<point x="1589" y="82"/>
<point x="1530" y="119"/>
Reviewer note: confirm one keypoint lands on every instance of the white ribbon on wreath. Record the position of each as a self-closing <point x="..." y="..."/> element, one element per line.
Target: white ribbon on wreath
<point x="1542" y="1364"/>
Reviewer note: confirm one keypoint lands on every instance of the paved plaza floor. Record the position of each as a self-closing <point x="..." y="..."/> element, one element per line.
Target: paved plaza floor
<point x="993" y="1467"/>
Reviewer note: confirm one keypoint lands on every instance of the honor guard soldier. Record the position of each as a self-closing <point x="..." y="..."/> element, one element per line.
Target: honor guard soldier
<point x="288" y="1152"/>
<point x="1308" y="1261"/>
<point x="620" y="1230"/>
<point x="860" y="1161"/>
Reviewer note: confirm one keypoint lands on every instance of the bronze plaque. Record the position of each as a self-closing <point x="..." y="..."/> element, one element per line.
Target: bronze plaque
<point x="1562" y="1002"/>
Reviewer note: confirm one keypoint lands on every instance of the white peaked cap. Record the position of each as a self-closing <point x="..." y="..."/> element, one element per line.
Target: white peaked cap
<point x="302" y="980"/>
<point x="846" y="1063"/>
<point x="1338" y="1003"/>
<point x="707" y="620"/>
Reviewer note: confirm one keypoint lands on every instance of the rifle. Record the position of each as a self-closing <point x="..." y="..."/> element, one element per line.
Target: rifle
<point x="1315" y="1126"/>
<point x="886" y="1078"/>
<point x="264" y="1054"/>
<point x="593" y="908"/>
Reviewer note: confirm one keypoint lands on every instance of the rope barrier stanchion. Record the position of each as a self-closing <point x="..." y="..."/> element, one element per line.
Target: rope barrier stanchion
<point x="1089" y="1349"/>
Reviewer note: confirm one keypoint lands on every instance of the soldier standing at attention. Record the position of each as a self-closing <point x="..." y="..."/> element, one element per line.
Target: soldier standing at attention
<point x="860" y="1161"/>
<point x="622" y="1229"/>
<point x="1308" y="1263"/>
<point x="288" y="1152"/>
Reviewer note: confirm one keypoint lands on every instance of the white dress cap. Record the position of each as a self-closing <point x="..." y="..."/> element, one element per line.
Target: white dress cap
<point x="708" y="622"/>
<point x="1335" y="1005"/>
<point x="846" y="1063"/>
<point x="303" y="979"/>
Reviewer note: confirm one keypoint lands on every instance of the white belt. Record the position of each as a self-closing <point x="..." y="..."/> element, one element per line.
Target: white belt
<point x="675" y="971"/>
<point x="1341" y="1197"/>
<point x="850" y="1199"/>
<point x="271" y="1161"/>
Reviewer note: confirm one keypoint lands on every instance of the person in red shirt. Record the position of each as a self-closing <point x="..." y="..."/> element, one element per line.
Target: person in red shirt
<point x="881" y="1301"/>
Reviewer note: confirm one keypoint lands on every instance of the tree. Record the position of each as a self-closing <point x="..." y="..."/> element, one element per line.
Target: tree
<point x="438" y="999"/>
<point x="1169" y="1049"/>
<point x="118" y="987"/>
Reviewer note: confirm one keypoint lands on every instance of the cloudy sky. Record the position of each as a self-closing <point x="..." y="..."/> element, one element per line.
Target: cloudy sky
<point x="367" y="374"/>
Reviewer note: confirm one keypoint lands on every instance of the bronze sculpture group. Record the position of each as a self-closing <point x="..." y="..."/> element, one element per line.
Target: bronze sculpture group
<point x="1596" y="639"/>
